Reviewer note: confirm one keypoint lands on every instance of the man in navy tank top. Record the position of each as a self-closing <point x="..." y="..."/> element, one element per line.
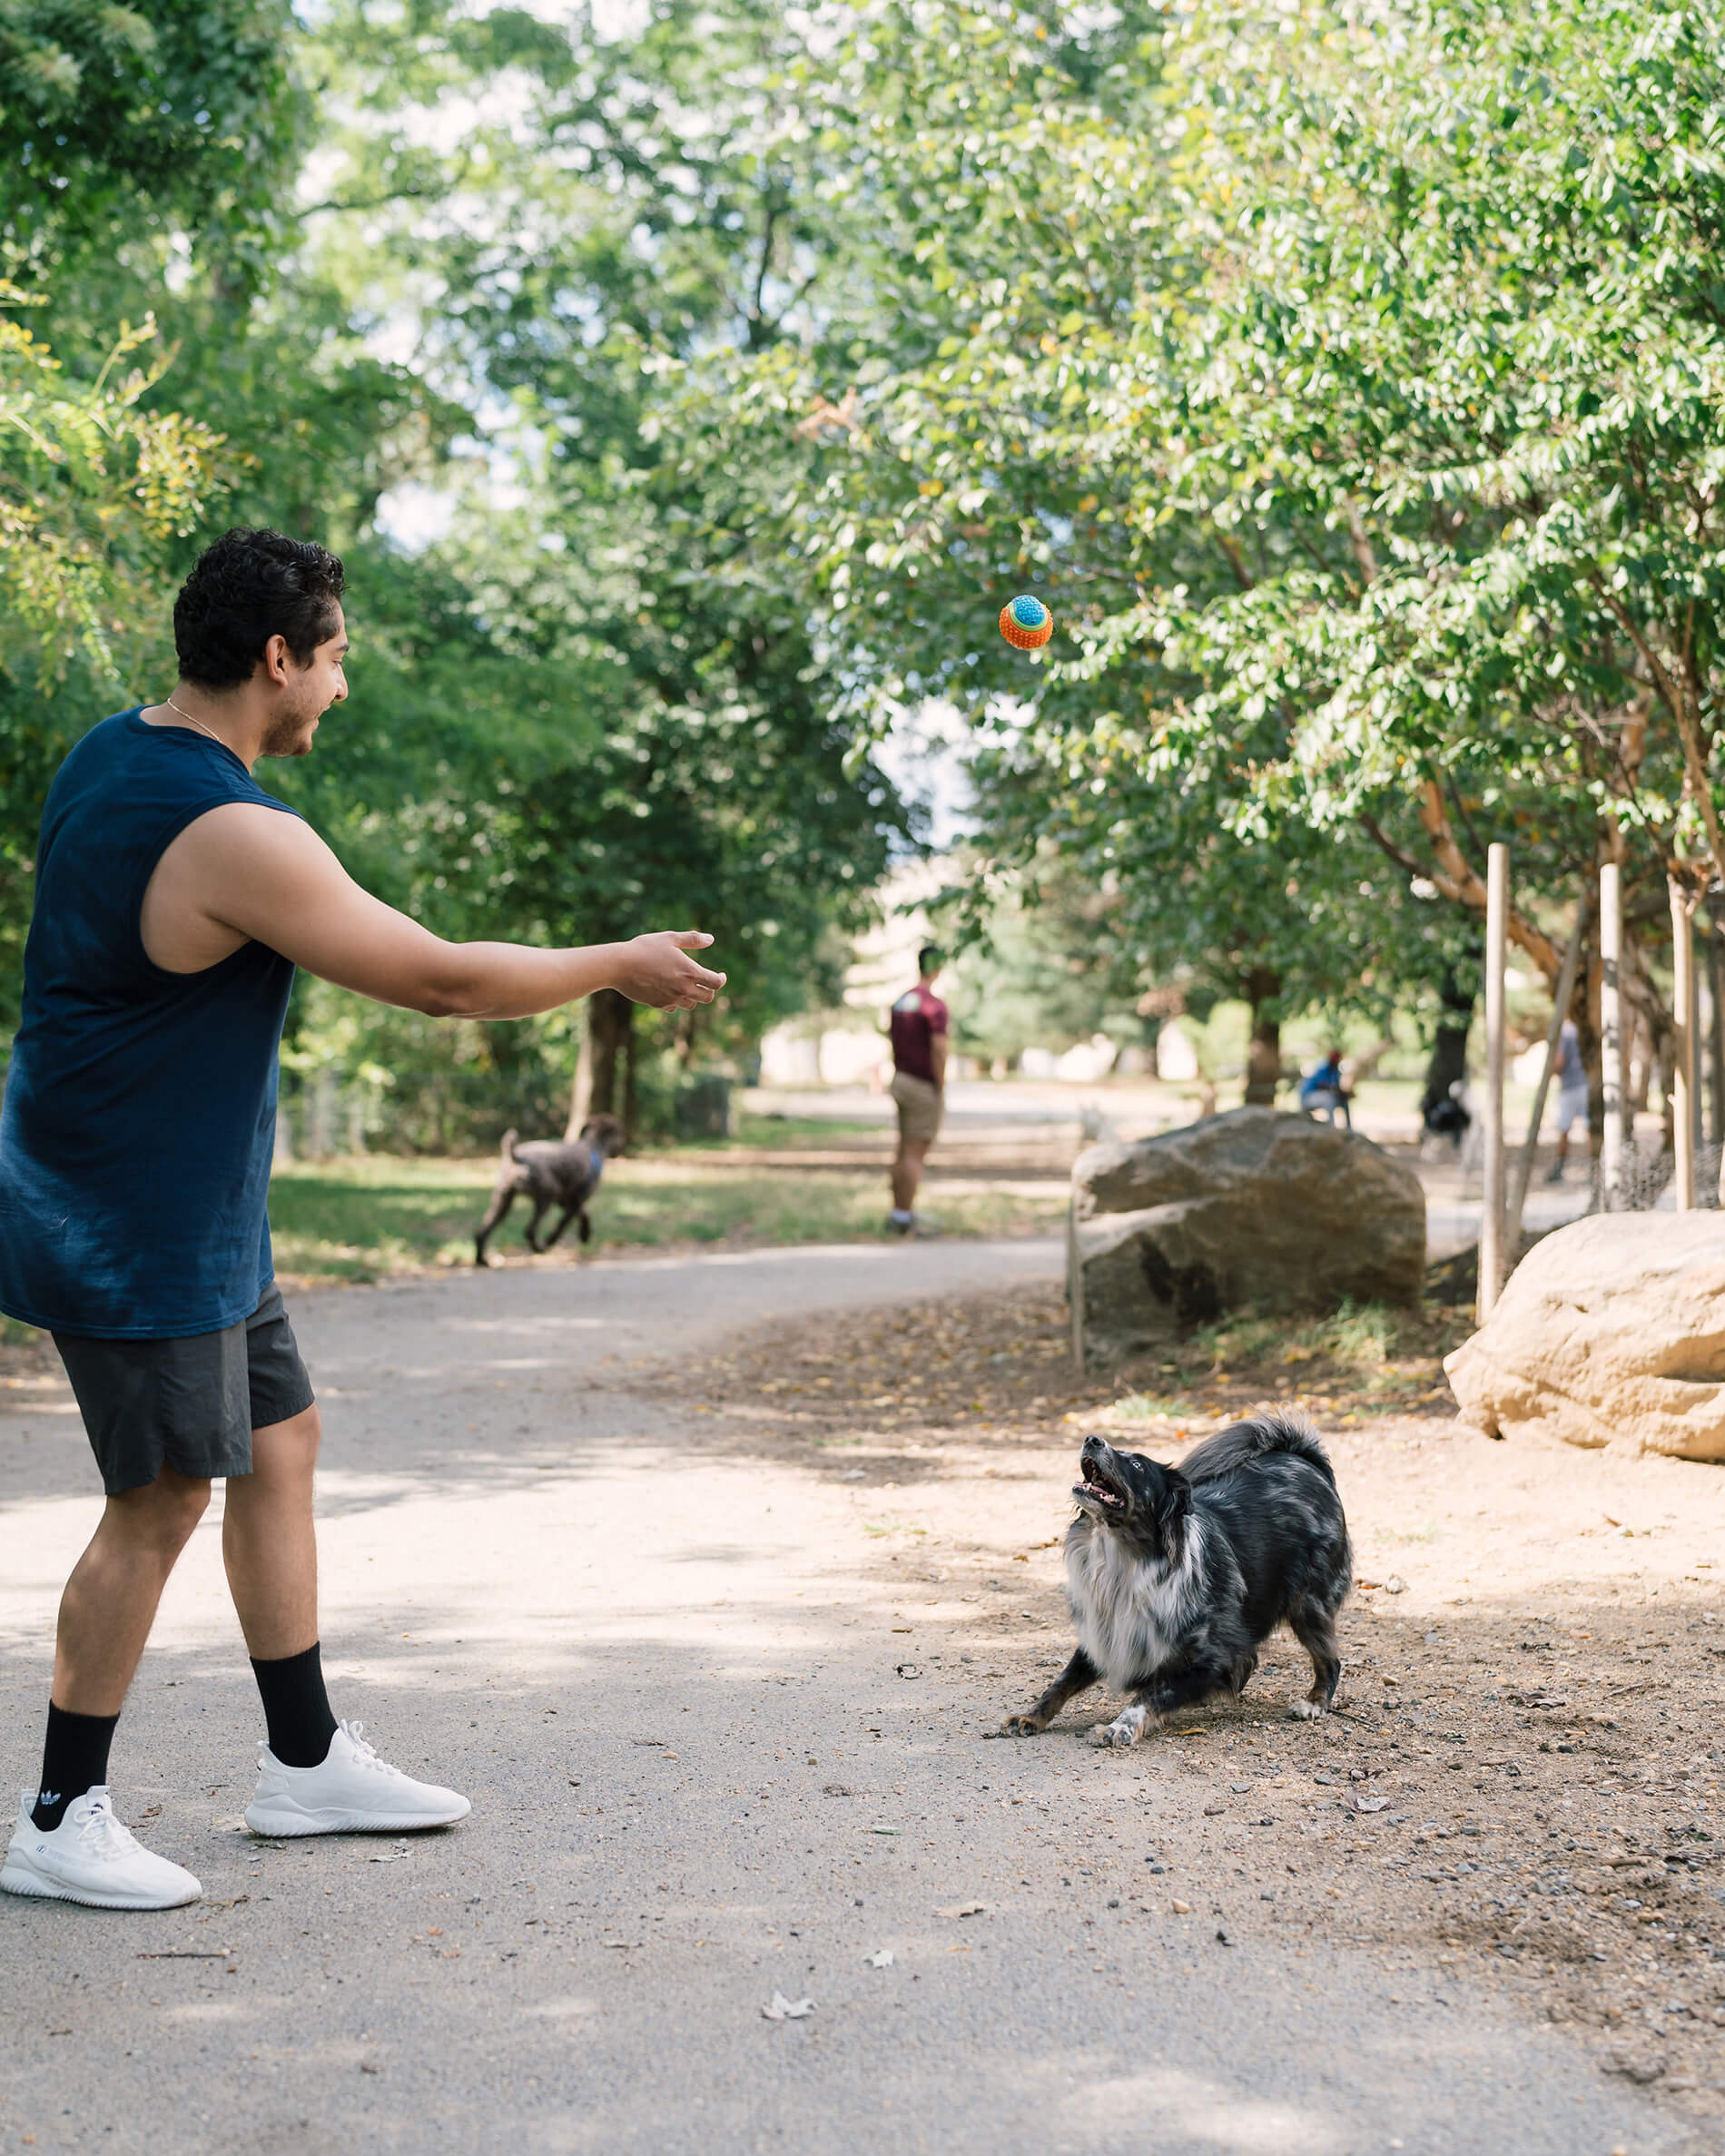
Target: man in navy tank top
<point x="174" y="898"/>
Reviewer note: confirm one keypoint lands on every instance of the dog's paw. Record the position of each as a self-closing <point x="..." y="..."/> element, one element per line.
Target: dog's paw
<point x="1304" y="1710"/>
<point x="1126" y="1728"/>
<point x="1022" y="1725"/>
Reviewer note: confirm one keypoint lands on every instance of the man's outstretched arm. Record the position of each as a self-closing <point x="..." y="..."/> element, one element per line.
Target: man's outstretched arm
<point x="246" y="872"/>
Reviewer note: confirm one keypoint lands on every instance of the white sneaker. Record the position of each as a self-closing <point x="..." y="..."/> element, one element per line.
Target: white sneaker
<point x="89" y="1857"/>
<point x="352" y="1792"/>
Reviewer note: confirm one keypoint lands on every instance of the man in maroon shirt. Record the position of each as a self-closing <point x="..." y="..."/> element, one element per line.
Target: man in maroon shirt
<point x="919" y="1030"/>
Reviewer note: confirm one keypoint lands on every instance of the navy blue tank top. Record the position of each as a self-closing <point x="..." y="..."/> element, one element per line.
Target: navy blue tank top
<point x="139" y="1122"/>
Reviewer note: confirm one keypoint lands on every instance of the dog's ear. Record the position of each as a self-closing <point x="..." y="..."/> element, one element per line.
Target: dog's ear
<point x="1173" y="1500"/>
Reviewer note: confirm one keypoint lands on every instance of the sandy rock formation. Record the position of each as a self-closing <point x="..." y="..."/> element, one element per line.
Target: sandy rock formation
<point x="1252" y="1209"/>
<point x="1610" y="1332"/>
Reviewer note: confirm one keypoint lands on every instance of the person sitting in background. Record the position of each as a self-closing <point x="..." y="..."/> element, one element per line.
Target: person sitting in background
<point x="1570" y="1073"/>
<point x="1323" y="1093"/>
<point x="917" y="1026"/>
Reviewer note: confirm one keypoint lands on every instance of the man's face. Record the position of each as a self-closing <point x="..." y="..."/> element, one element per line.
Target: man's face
<point x="309" y="692"/>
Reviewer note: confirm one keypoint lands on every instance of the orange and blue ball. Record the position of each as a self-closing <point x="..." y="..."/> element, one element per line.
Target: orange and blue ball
<point x="1026" y="622"/>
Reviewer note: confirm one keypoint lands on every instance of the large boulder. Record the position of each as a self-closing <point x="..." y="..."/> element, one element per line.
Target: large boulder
<point x="1610" y="1332"/>
<point x="1251" y="1209"/>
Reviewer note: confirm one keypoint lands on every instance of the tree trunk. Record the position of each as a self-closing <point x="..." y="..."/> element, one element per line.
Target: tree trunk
<point x="581" y="1091"/>
<point x="1448" y="1064"/>
<point x="1264" y="1052"/>
<point x="611" y="1037"/>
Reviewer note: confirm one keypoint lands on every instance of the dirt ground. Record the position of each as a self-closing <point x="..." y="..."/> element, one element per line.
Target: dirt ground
<point x="1514" y="1808"/>
<point x="1520" y="1791"/>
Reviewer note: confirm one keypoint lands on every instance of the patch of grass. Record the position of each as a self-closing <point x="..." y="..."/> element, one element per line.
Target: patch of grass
<point x="1362" y="1338"/>
<point x="1150" y="1407"/>
<point x="799" y="1132"/>
<point x="362" y="1219"/>
<point x="1364" y="1357"/>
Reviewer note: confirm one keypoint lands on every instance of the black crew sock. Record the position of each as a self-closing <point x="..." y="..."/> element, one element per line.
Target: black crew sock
<point x="74" y="1758"/>
<point x="296" y="1706"/>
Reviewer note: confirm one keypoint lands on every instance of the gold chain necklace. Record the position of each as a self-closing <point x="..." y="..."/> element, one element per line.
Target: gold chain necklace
<point x="199" y="723"/>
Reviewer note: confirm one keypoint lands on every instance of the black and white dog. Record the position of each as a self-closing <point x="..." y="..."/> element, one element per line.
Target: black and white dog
<point x="1177" y="1576"/>
<point x="549" y="1172"/>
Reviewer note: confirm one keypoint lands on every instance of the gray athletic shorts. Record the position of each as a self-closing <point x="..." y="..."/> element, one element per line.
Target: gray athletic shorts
<point x="191" y="1405"/>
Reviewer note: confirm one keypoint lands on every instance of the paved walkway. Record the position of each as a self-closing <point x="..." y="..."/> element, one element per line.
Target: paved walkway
<point x="665" y="1673"/>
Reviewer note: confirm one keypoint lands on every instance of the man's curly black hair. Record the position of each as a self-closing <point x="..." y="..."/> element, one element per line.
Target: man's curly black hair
<point x="248" y="587"/>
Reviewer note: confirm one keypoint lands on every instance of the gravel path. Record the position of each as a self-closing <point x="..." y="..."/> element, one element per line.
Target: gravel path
<point x="667" y="1669"/>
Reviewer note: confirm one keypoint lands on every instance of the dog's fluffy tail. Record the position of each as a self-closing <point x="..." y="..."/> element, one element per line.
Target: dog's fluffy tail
<point x="1242" y="1441"/>
<point x="509" y="1145"/>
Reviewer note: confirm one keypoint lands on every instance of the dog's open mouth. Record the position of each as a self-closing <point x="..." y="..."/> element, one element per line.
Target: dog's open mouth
<point x="1098" y="1487"/>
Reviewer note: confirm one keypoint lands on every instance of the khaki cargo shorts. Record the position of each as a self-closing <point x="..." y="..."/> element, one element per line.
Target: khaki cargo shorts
<point x="922" y="1105"/>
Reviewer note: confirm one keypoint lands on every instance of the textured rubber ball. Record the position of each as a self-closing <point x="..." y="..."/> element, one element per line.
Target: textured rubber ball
<point x="1026" y="622"/>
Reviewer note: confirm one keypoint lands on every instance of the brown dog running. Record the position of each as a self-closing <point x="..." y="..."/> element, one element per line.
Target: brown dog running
<point x="551" y="1172"/>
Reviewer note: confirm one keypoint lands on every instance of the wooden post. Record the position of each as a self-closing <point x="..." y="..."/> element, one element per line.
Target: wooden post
<point x="1611" y="1027"/>
<point x="1560" y="1010"/>
<point x="1075" y="1283"/>
<point x="1716" y="1031"/>
<point x="1682" y="1051"/>
<point x="1496" y="958"/>
<point x="1716" y="961"/>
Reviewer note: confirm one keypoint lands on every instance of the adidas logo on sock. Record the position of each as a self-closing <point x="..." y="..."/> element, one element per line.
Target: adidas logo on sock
<point x="48" y="1796"/>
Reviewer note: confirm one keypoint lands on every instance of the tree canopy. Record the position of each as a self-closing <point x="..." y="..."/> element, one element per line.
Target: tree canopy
<point x="1345" y="376"/>
<point x="1347" y="380"/>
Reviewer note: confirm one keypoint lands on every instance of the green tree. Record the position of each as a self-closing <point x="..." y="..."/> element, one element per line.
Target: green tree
<point x="95" y="491"/>
<point x="142" y="142"/>
<point x="653" y="204"/>
<point x="562" y="720"/>
<point x="142" y="146"/>
<point x="1347" y="382"/>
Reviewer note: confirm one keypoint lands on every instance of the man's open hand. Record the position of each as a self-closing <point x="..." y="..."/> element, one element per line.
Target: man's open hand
<point x="658" y="969"/>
